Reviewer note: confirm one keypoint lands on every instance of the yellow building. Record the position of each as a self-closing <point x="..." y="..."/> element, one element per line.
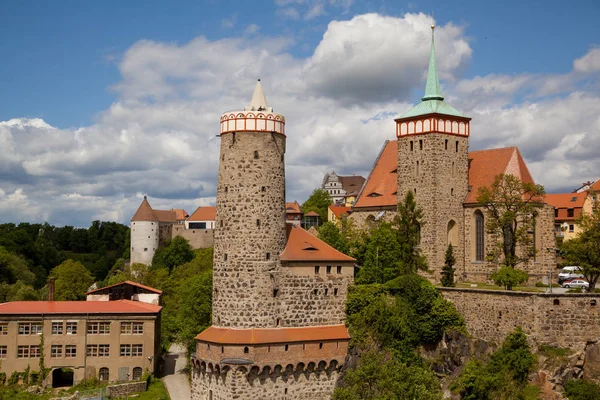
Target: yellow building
<point x="336" y="213"/>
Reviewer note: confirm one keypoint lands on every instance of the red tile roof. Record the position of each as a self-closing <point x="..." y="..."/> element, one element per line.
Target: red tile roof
<point x="148" y="288"/>
<point x="339" y="211"/>
<point x="293" y="208"/>
<point x="144" y="212"/>
<point x="273" y="335"/>
<point x="312" y="214"/>
<point x="180" y="214"/>
<point x="77" y="307"/>
<point x="563" y="201"/>
<point x="485" y="165"/>
<point x="204" y="213"/>
<point x="302" y="246"/>
<point x="382" y="184"/>
<point x="352" y="183"/>
<point x="596" y="186"/>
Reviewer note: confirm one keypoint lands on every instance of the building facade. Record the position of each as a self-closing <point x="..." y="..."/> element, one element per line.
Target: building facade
<point x="112" y="340"/>
<point x="430" y="158"/>
<point x="343" y="190"/>
<point x="278" y="292"/>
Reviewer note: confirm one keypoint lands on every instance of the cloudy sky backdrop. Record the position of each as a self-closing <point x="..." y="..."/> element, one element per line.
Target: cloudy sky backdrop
<point x="102" y="104"/>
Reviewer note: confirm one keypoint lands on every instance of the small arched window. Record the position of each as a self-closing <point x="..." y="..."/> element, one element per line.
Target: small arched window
<point x="452" y="233"/>
<point x="137" y="373"/>
<point x="103" y="376"/>
<point x="479" y="236"/>
<point x="256" y="155"/>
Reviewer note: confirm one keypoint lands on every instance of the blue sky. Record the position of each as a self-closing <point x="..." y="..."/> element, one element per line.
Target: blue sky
<point x="103" y="102"/>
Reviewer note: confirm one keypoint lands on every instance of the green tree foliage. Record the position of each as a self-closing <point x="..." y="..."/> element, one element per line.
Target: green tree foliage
<point x="330" y="234"/>
<point x="584" y="249"/>
<point x="177" y="252"/>
<point x="381" y="376"/>
<point x="509" y="277"/>
<point x="511" y="207"/>
<point x="319" y="201"/>
<point x="408" y="223"/>
<point x="448" y="268"/>
<point x="582" y="389"/>
<point x="72" y="280"/>
<point x="503" y="376"/>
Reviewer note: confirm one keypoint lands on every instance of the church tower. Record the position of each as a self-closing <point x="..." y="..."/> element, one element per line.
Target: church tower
<point x="433" y="143"/>
<point x="250" y="224"/>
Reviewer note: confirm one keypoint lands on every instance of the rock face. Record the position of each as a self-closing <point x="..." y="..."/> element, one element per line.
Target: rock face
<point x="592" y="361"/>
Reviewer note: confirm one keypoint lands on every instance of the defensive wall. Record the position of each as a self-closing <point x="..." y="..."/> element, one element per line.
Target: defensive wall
<point x="565" y="320"/>
<point x="198" y="238"/>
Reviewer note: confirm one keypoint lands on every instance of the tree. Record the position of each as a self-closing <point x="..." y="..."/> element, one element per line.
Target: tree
<point x="72" y="280"/>
<point x="408" y="223"/>
<point x="330" y="234"/>
<point x="511" y="207"/>
<point x="448" y="268"/>
<point x="584" y="249"/>
<point x="509" y="277"/>
<point x="381" y="257"/>
<point x="177" y="252"/>
<point x="319" y="201"/>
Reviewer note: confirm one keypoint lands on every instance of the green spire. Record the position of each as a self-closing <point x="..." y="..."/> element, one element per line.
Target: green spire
<point x="432" y="89"/>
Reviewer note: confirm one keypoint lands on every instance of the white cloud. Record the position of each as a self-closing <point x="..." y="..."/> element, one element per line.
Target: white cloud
<point x="590" y="62"/>
<point x="159" y="137"/>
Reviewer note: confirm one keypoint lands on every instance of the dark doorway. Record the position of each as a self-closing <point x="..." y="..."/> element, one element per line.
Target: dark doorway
<point x="62" y="377"/>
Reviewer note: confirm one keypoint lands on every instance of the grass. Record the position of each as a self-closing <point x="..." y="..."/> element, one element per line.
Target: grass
<point x="487" y="286"/>
<point x="156" y="391"/>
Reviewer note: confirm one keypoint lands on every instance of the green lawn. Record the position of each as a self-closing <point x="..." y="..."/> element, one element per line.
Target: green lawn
<point x="486" y="286"/>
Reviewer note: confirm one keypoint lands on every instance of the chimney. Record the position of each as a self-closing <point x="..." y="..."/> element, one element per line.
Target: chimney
<point x="51" y="289"/>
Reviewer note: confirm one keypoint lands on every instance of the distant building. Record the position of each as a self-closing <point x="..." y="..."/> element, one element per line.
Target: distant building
<point x="202" y="218"/>
<point x="311" y="219"/>
<point x="567" y="208"/>
<point x="114" y="336"/>
<point x="293" y="212"/>
<point x="336" y="213"/>
<point x="342" y="189"/>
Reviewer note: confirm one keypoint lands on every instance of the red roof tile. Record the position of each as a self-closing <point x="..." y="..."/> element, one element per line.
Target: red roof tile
<point x="148" y="288"/>
<point x="77" y="307"/>
<point x="180" y="214"/>
<point x="204" y="213"/>
<point x="339" y="211"/>
<point x="596" y="186"/>
<point x="144" y="212"/>
<point x="273" y="335"/>
<point x="564" y="201"/>
<point x="293" y="208"/>
<point x="382" y="184"/>
<point x="352" y="183"/>
<point x="312" y="214"/>
<point x="302" y="246"/>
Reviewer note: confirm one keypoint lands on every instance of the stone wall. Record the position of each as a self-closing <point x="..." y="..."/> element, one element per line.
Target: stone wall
<point x="365" y="218"/>
<point x="125" y="389"/>
<point x="250" y="231"/>
<point x="198" y="238"/>
<point x="434" y="166"/>
<point x="565" y="320"/>
<point x="240" y="382"/>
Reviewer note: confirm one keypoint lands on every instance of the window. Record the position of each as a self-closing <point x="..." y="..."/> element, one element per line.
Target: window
<point x="56" y="351"/>
<point x="137" y="350"/>
<point x="138" y="328"/>
<point x="103" y="376"/>
<point x="125" y="350"/>
<point x="335" y="292"/>
<point x="287" y="347"/>
<point x="98" y="328"/>
<point x="446" y="144"/>
<point x="70" y="350"/>
<point x="268" y="256"/>
<point x="329" y="269"/>
<point x="145" y="249"/>
<point x="125" y="328"/>
<point x="317" y="269"/>
<point x="321" y="345"/>
<point x="326" y="292"/>
<point x="556" y="213"/>
<point x="339" y="269"/>
<point x="417" y="169"/>
<point x="315" y="292"/>
<point x="457" y="146"/>
<point x="103" y="350"/>
<point x="258" y="222"/>
<point x="275" y="292"/>
<point x="246" y="350"/>
<point x="30" y="328"/>
<point x="570" y="212"/>
<point x="71" y="328"/>
<point x="411" y="145"/>
<point x="34" y="351"/>
<point x="225" y="257"/>
<point x="3" y="329"/>
<point x="3" y="351"/>
<point x="452" y="233"/>
<point x="479" y="236"/>
<point x="23" y="352"/>
<point x="263" y="188"/>
<point x="256" y="155"/>
<point x="197" y="225"/>
<point x="91" y="350"/>
<point x="420" y="144"/>
<point x="57" y="328"/>
<point x="137" y="373"/>
<point x="571" y="228"/>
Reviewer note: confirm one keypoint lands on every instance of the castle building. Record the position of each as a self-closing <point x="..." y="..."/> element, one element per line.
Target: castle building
<point x="430" y="157"/>
<point x="279" y="293"/>
<point x="342" y="189"/>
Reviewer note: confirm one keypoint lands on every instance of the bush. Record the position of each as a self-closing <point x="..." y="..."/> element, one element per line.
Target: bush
<point x="509" y="277"/>
<point x="582" y="390"/>
<point x="2" y="378"/>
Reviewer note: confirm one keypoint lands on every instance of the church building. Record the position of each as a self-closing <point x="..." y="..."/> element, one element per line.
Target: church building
<point x="431" y="158"/>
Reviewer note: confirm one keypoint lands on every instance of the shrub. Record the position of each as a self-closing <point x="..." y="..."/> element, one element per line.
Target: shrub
<point x="582" y="390"/>
<point x="2" y="378"/>
<point x="509" y="277"/>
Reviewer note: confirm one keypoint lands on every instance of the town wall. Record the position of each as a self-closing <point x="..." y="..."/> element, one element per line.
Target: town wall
<point x="565" y="320"/>
<point x="198" y="238"/>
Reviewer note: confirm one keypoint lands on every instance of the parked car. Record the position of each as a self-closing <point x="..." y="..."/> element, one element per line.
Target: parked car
<point x="569" y="273"/>
<point x="577" y="283"/>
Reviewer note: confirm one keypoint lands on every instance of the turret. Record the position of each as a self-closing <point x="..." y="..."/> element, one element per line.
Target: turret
<point x="144" y="234"/>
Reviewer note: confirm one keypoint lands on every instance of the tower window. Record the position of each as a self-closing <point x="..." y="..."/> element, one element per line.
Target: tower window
<point x="452" y="192"/>
<point x="315" y="292"/>
<point x="457" y="146"/>
<point x="221" y="223"/>
<point x="339" y="269"/>
<point x="275" y="292"/>
<point x="222" y="349"/>
<point x="326" y="292"/>
<point x="417" y="170"/>
<point x="415" y="190"/>
<point x="278" y="323"/>
<point x="268" y="256"/>
<point x="446" y="144"/>
<point x="335" y="292"/>
<point x="225" y="257"/>
<point x="263" y="189"/>
<point x="258" y="222"/>
<point x="226" y="189"/>
<point x="287" y="347"/>
<point x="246" y="350"/>
<point x="317" y="269"/>
<point x="421" y="144"/>
<point x="329" y="269"/>
<point x="256" y="155"/>
<point x="411" y="145"/>
<point x="321" y="345"/>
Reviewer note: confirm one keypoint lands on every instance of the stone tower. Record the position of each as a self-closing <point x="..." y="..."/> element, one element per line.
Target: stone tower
<point x="144" y="234"/>
<point x="279" y="293"/>
<point x="433" y="143"/>
<point x="250" y="225"/>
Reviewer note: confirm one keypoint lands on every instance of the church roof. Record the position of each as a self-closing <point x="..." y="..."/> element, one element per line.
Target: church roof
<point x="381" y="187"/>
<point x="144" y="212"/>
<point x="433" y="101"/>
<point x="302" y="246"/>
<point x="339" y="211"/>
<point x="293" y="208"/>
<point x="382" y="184"/>
<point x="204" y="213"/>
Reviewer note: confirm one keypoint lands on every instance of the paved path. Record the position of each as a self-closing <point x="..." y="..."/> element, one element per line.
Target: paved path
<point x="176" y="375"/>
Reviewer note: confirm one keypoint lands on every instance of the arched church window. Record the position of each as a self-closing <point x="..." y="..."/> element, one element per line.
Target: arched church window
<point x="452" y="233"/>
<point x="479" y="236"/>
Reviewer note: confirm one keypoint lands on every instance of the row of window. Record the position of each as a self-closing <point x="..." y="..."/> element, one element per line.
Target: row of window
<point x="104" y="374"/>
<point x="70" y="350"/>
<point x="59" y="328"/>
<point x="412" y="147"/>
<point x="286" y="347"/>
<point x="570" y="212"/>
<point x="327" y="269"/>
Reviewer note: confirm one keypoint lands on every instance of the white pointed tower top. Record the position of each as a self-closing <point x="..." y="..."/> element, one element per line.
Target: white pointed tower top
<point x="259" y="101"/>
<point x="256" y="117"/>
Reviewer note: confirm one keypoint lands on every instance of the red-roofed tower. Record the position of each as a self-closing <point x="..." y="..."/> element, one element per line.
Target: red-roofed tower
<point x="433" y="143"/>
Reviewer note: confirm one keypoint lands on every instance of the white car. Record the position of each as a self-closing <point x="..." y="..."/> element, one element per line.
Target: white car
<point x="569" y="273"/>
<point x="577" y="283"/>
